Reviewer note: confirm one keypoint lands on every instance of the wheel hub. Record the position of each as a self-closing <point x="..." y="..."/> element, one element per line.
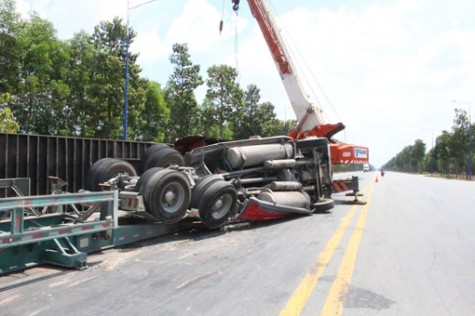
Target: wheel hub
<point x="218" y="204"/>
<point x="169" y="197"/>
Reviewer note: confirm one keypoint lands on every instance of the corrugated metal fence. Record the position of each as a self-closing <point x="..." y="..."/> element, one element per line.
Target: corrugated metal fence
<point x="69" y="158"/>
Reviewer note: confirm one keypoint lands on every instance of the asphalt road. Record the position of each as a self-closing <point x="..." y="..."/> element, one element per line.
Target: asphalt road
<point x="409" y="251"/>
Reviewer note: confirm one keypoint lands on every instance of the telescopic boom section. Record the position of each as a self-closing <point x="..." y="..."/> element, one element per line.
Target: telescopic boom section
<point x="309" y="116"/>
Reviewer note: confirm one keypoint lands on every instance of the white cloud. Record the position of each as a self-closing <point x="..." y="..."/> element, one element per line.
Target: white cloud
<point x="197" y="25"/>
<point x="150" y="47"/>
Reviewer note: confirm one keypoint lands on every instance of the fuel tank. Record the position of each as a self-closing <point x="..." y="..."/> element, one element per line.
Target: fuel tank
<point x="251" y="156"/>
<point x="288" y="198"/>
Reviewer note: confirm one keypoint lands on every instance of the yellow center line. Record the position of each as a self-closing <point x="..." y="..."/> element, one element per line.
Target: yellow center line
<point x="298" y="300"/>
<point x="334" y="303"/>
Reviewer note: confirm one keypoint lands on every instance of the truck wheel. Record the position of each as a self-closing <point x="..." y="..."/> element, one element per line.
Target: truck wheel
<point x="144" y="178"/>
<point x="201" y="187"/>
<point x="166" y="157"/>
<point x="216" y="204"/>
<point x="167" y="195"/>
<point x="92" y="174"/>
<point x="323" y="206"/>
<point x="107" y="169"/>
<point x="149" y="154"/>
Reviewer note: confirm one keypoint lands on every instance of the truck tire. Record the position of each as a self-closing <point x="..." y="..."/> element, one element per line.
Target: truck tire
<point x="149" y="153"/>
<point x="92" y="174"/>
<point x="323" y="206"/>
<point x="167" y="195"/>
<point x="201" y="187"/>
<point x="144" y="178"/>
<point x="165" y="157"/>
<point x="106" y="169"/>
<point x="217" y="202"/>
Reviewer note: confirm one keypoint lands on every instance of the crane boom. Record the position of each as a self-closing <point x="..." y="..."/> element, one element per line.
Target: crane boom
<point x="309" y="116"/>
<point x="290" y="79"/>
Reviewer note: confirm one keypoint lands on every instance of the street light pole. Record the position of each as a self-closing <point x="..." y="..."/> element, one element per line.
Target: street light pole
<point x="469" y="160"/>
<point x="126" y="87"/>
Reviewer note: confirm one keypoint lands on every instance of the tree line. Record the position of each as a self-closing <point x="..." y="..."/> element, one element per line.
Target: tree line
<point x="75" y="87"/>
<point x="449" y="154"/>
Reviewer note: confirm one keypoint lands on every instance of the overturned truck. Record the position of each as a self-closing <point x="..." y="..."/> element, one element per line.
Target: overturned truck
<point x="131" y="191"/>
<point x="256" y="179"/>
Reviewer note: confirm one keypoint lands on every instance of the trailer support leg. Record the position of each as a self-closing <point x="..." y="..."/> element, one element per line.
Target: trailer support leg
<point x="64" y="254"/>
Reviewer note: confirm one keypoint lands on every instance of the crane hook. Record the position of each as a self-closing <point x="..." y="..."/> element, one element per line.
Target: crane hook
<point x="235" y="5"/>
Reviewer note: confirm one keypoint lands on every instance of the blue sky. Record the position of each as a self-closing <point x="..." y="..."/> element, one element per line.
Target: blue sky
<point x="389" y="70"/>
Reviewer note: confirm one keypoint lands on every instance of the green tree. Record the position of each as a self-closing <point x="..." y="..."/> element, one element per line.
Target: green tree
<point x="460" y="140"/>
<point x="152" y="125"/>
<point x="108" y="81"/>
<point x="79" y="110"/>
<point x="269" y="124"/>
<point x="41" y="90"/>
<point x="417" y="154"/>
<point x="441" y="151"/>
<point x="210" y="126"/>
<point x="7" y="123"/>
<point x="257" y="118"/>
<point x="107" y="78"/>
<point x="224" y="100"/>
<point x="10" y="48"/>
<point x="180" y="96"/>
<point x="249" y="123"/>
<point x="409" y="159"/>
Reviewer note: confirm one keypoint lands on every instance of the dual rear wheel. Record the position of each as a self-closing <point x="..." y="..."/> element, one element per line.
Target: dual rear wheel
<point x="167" y="193"/>
<point x="215" y="200"/>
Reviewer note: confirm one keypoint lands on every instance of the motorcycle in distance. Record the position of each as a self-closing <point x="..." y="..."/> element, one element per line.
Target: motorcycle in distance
<point x="382" y="173"/>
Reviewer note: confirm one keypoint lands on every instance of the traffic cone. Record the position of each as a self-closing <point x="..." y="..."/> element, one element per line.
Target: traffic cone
<point x="376" y="180"/>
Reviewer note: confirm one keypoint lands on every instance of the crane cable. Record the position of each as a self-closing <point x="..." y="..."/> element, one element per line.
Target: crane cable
<point x="236" y="38"/>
